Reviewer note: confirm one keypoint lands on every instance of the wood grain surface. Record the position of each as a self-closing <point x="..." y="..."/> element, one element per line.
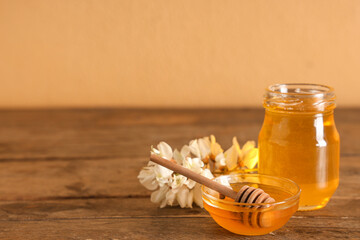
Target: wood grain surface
<point x="72" y="174"/>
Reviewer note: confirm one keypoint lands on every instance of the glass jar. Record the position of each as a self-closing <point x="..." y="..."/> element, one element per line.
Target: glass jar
<point x="299" y="140"/>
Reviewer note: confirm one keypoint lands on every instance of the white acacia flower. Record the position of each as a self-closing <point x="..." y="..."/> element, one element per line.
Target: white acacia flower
<point x="220" y="161"/>
<point x="204" y="147"/>
<point x="184" y="197"/>
<point x="185" y="151"/>
<point x="232" y="155"/>
<point x="197" y="188"/>
<point x="176" y="183"/>
<point x="162" y="174"/>
<point x="194" y="148"/>
<point x="248" y="146"/>
<point x="178" y="194"/>
<point x="225" y="182"/>
<point x="194" y="164"/>
<point x="215" y="147"/>
<point x="190" y="183"/>
<point x="171" y="198"/>
<point x="231" y="158"/>
<point x="180" y="156"/>
<point x="174" y="189"/>
<point x="165" y="150"/>
<point x="197" y="195"/>
<point x="250" y="155"/>
<point x="159" y="196"/>
<point x="201" y="147"/>
<point x="222" y="181"/>
<point x="147" y="178"/>
<point x="207" y="173"/>
<point x="251" y="158"/>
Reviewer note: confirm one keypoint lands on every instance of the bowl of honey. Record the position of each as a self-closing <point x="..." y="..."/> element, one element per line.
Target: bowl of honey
<point x="253" y="218"/>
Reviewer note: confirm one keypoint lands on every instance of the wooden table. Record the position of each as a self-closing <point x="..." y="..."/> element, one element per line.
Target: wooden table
<point x="72" y="174"/>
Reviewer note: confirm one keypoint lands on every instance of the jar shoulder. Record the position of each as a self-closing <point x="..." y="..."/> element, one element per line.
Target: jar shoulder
<point x="277" y="126"/>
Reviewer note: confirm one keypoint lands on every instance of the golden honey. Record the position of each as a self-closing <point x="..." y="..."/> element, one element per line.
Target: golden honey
<point x="299" y="140"/>
<point x="251" y="220"/>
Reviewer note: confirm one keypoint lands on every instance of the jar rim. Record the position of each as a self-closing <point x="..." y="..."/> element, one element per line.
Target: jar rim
<point x="300" y="97"/>
<point x="306" y="89"/>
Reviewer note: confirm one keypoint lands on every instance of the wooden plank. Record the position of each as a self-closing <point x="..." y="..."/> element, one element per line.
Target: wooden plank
<point x="174" y="228"/>
<point x="137" y="218"/>
<point x="78" y="168"/>
<point x="33" y="180"/>
<point x="141" y="207"/>
<point x="91" y="209"/>
<point x="99" y="134"/>
<point x="66" y="179"/>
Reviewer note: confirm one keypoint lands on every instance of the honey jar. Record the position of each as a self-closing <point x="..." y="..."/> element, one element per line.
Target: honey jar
<point x="299" y="140"/>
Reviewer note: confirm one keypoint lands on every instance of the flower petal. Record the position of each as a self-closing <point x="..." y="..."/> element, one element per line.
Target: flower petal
<point x="220" y="158"/>
<point x="159" y="195"/>
<point x="178" y="157"/>
<point x="194" y="164"/>
<point x="237" y="148"/>
<point x="194" y="148"/>
<point x="154" y="151"/>
<point x="165" y="150"/>
<point x="225" y="182"/>
<point x="207" y="173"/>
<point x="247" y="147"/>
<point x="147" y="178"/>
<point x="163" y="203"/>
<point x="231" y="158"/>
<point x="163" y="175"/>
<point x="190" y="199"/>
<point x="182" y="195"/>
<point x="170" y="197"/>
<point x="177" y="182"/>
<point x="190" y="183"/>
<point x="185" y="151"/>
<point x="251" y="158"/>
<point x="215" y="147"/>
<point x="204" y="147"/>
<point x="197" y="195"/>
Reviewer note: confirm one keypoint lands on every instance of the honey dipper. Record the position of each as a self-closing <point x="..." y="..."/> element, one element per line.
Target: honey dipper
<point x="245" y="195"/>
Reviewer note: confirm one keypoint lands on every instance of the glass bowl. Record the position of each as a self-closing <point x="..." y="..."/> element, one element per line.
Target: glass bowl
<point x="255" y="218"/>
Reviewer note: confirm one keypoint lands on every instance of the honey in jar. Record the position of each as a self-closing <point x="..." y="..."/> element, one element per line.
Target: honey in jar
<point x="299" y="140"/>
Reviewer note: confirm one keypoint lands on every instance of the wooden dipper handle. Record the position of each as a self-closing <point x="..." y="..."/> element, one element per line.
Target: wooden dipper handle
<point x="194" y="176"/>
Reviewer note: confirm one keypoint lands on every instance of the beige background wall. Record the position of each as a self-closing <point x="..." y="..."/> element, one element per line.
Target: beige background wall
<point x="161" y="53"/>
